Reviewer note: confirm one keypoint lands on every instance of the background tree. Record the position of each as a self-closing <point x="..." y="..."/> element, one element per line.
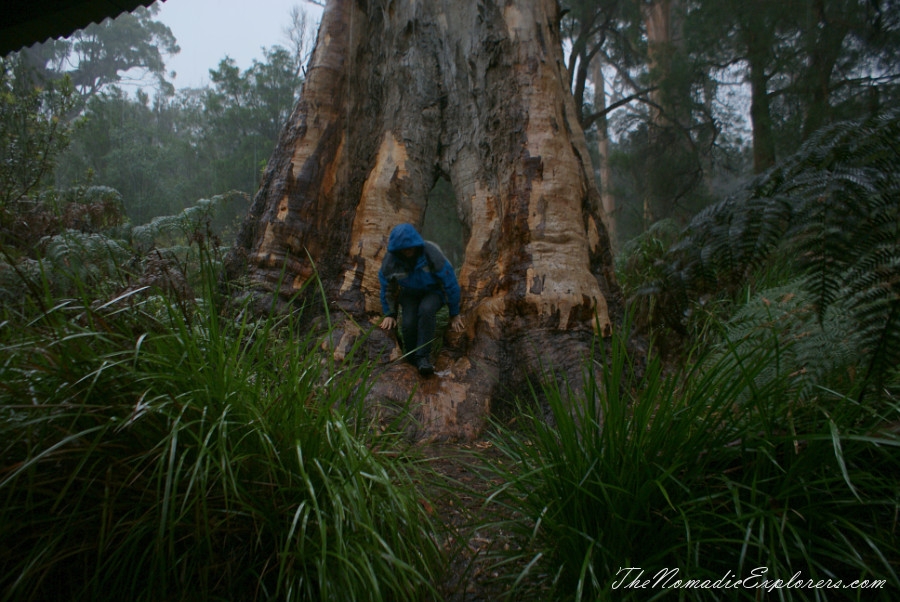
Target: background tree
<point x="678" y="78"/>
<point x="242" y="115"/>
<point x="165" y="151"/>
<point x="140" y="148"/>
<point x="676" y="125"/>
<point x="32" y="135"/>
<point x="164" y="154"/>
<point x="847" y="49"/>
<point x="807" y="64"/>
<point x="300" y="34"/>
<point x="634" y="56"/>
<point x="101" y="54"/>
<point x="596" y="31"/>
<point x="475" y="92"/>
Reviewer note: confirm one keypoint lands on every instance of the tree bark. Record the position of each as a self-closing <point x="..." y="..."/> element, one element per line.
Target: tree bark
<point x="658" y="23"/>
<point x="607" y="200"/>
<point x="398" y="94"/>
<point x="758" y="45"/>
<point x="825" y="39"/>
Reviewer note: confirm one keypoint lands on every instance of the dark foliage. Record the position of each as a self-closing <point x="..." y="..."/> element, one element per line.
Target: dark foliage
<point x="830" y="214"/>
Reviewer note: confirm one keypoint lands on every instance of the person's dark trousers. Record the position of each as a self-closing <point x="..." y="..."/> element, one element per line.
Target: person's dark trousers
<point x="418" y="311"/>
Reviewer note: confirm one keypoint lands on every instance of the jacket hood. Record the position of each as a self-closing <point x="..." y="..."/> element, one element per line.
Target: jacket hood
<point x="404" y="236"/>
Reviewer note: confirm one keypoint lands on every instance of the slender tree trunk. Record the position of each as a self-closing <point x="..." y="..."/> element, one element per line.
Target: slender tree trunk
<point x="758" y="57"/>
<point x="756" y="35"/>
<point x="608" y="201"/>
<point x="399" y="93"/>
<point x="674" y="168"/>
<point x="826" y="38"/>
<point x="658" y="23"/>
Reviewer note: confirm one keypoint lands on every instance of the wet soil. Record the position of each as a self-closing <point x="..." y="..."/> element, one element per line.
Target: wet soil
<point x="482" y="533"/>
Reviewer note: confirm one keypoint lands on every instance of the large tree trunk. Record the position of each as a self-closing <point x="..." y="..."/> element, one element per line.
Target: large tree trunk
<point x="826" y="39"/>
<point x="399" y="93"/>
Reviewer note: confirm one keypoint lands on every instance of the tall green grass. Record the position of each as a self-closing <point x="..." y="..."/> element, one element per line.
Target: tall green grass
<point x="715" y="472"/>
<point x="151" y="450"/>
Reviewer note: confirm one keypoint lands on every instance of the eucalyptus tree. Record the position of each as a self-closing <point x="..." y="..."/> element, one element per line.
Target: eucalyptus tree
<point x="164" y="153"/>
<point x="600" y="35"/>
<point x="806" y="63"/>
<point x="635" y="56"/>
<point x="848" y="53"/>
<point x="242" y="113"/>
<point x="140" y="147"/>
<point x="101" y="54"/>
<point x="398" y="95"/>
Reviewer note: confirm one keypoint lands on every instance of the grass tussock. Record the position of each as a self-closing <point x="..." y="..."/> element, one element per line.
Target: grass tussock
<point x="717" y="472"/>
<point x="149" y="453"/>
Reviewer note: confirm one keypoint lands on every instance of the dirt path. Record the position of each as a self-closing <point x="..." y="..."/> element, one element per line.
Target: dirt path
<point x="478" y="535"/>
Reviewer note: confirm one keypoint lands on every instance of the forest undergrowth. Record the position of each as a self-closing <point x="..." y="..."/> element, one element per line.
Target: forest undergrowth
<point x="158" y="442"/>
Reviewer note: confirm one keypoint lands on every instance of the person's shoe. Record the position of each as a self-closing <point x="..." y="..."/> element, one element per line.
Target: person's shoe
<point x="425" y="367"/>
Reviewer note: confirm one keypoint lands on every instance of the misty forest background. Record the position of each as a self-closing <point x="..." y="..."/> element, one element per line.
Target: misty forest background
<point x="158" y="442"/>
<point x="680" y="111"/>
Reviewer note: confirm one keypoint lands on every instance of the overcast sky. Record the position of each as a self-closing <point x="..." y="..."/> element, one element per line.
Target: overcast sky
<point x="208" y="30"/>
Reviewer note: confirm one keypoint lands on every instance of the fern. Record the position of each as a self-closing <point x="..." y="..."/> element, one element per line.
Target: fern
<point x="85" y="208"/>
<point x="73" y="259"/>
<point x="181" y="229"/>
<point x="91" y="250"/>
<point x="784" y="319"/>
<point x="831" y="215"/>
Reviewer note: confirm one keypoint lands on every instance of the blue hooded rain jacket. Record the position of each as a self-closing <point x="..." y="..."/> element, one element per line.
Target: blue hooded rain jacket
<point x="432" y="271"/>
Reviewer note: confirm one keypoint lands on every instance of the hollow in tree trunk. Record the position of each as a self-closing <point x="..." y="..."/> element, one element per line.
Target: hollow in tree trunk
<point x="398" y="94"/>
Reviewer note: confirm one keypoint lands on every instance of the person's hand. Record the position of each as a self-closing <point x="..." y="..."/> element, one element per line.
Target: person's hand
<point x="388" y="323"/>
<point x="457" y="324"/>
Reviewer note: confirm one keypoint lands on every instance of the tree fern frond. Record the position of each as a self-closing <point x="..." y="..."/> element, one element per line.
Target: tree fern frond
<point x="84" y="258"/>
<point x="879" y="333"/>
<point x="172" y="230"/>
<point x="832" y="213"/>
<point x="786" y="317"/>
<point x="878" y="268"/>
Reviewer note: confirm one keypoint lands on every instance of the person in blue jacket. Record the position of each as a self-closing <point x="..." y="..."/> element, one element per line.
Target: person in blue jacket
<point x="417" y="276"/>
